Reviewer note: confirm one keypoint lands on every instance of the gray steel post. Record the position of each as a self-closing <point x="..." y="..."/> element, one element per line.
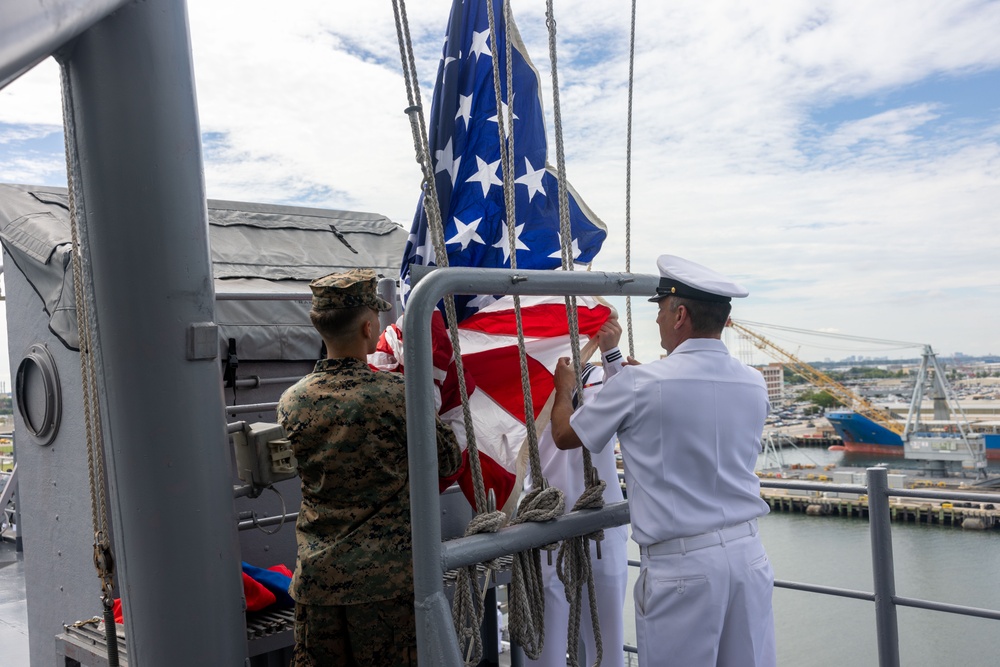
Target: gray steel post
<point x="135" y="150"/>
<point x="32" y="29"/>
<point x="434" y="647"/>
<point x="436" y="642"/>
<point x="882" y="568"/>
<point x="387" y="290"/>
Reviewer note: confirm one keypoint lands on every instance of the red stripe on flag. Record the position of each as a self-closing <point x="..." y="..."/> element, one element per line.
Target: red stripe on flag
<point x="539" y="321"/>
<point x="498" y="373"/>
<point x="494" y="477"/>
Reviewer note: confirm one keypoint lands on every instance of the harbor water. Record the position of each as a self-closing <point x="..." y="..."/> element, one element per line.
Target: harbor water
<point x="939" y="563"/>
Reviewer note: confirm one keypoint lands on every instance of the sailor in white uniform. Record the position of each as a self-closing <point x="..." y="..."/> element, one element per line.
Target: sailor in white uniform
<point x="564" y="470"/>
<point x="690" y="427"/>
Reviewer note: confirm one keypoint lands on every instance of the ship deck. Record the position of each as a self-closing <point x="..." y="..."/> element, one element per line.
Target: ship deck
<point x="14" y="646"/>
<point x="13" y="607"/>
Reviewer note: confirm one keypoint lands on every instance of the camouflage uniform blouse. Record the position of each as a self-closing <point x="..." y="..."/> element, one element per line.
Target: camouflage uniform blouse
<point x="347" y="425"/>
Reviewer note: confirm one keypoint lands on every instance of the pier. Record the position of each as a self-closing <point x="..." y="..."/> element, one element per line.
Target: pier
<point x="967" y="515"/>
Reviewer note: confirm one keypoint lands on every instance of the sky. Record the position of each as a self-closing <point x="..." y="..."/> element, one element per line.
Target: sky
<point x="839" y="159"/>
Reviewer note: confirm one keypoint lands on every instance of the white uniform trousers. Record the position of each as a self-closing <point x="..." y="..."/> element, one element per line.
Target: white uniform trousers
<point x="710" y="607"/>
<point x="610" y="582"/>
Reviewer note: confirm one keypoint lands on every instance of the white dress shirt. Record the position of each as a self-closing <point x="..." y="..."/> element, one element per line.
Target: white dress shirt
<point x="690" y="428"/>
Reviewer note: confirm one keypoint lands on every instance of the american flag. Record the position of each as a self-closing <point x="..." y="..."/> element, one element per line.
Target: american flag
<point x="465" y="151"/>
<point x="465" y="148"/>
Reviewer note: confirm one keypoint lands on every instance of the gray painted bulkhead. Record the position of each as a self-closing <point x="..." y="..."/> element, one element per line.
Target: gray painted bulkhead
<point x="55" y="527"/>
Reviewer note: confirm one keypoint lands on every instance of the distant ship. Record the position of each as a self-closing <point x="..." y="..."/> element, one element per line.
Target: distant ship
<point x="864" y="436"/>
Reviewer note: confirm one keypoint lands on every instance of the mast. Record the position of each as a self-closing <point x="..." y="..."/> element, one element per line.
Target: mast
<point x="136" y="170"/>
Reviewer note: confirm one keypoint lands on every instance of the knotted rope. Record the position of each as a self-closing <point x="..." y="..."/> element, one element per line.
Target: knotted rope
<point x="468" y="615"/>
<point x="573" y="565"/>
<point x="467" y="609"/>
<point x="527" y="590"/>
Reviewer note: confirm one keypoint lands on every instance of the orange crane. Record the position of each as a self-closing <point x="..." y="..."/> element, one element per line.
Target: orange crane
<point x="823" y="381"/>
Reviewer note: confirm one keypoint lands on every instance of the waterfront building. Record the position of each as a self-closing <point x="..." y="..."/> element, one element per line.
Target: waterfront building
<point x="774" y="376"/>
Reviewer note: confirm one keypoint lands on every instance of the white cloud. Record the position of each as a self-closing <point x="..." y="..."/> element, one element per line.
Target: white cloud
<point x="33" y="99"/>
<point x="880" y="224"/>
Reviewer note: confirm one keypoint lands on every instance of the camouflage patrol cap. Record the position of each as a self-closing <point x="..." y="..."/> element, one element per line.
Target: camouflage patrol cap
<point x="349" y="289"/>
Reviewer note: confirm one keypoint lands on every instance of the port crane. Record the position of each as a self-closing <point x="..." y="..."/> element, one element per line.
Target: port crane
<point x="823" y="381"/>
<point x="935" y="447"/>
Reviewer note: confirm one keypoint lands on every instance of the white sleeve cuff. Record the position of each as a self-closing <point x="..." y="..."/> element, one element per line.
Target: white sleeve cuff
<point x="612" y="361"/>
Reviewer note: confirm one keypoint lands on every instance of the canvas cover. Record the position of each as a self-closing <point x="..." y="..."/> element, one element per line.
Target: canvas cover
<point x="258" y="249"/>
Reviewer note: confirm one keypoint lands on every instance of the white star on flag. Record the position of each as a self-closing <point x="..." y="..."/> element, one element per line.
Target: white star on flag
<point x="532" y="179"/>
<point x="426" y="252"/>
<point x="503" y="114"/>
<point x="466" y="233"/>
<point x="447" y="161"/>
<point x="504" y="242"/>
<point x="575" y="249"/>
<point x="479" y="45"/>
<point x="487" y="174"/>
<point x="464" y="109"/>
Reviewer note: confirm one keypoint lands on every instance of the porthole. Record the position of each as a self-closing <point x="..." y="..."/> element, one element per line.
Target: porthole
<point x="38" y="394"/>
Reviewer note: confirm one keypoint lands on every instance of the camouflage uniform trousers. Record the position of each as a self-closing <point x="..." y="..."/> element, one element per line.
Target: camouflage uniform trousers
<point x="376" y="634"/>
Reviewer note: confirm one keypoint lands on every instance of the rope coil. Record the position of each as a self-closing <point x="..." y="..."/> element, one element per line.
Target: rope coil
<point x="574" y="568"/>
<point x="468" y="608"/>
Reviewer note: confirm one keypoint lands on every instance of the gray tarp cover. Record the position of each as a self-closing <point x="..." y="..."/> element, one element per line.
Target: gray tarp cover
<point x="256" y="248"/>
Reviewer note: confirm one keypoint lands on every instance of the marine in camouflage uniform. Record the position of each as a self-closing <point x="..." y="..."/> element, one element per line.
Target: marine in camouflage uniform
<point x="353" y="582"/>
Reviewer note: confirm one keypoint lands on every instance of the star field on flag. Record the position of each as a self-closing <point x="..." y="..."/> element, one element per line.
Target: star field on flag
<point x="465" y="149"/>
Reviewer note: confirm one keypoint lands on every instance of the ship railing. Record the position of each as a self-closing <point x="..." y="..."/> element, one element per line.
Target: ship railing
<point x="883" y="570"/>
<point x="436" y="641"/>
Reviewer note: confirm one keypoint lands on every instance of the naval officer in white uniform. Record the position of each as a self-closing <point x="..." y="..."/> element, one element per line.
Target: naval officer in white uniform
<point x="564" y="470"/>
<point x="690" y="427"/>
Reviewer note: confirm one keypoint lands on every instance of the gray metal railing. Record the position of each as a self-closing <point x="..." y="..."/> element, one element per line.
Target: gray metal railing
<point x="436" y="642"/>
<point x="883" y="571"/>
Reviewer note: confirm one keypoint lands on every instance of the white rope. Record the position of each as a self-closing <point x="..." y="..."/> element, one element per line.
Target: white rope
<point x="103" y="555"/>
<point x="573" y="564"/>
<point x="468" y="616"/>
<point x="628" y="183"/>
<point x="468" y="609"/>
<point x="527" y="590"/>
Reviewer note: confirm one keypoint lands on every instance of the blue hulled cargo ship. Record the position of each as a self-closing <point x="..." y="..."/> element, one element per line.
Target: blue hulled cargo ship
<point x="864" y="436"/>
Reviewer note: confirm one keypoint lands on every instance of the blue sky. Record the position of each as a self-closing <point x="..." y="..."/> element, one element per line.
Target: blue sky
<point x="973" y="97"/>
<point x="840" y="159"/>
